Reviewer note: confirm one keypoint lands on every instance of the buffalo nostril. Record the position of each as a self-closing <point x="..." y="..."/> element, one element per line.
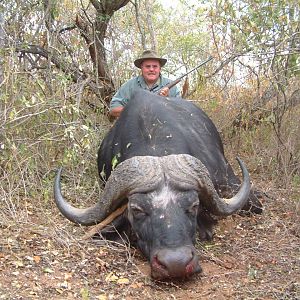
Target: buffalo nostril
<point x="178" y="262"/>
<point x="158" y="270"/>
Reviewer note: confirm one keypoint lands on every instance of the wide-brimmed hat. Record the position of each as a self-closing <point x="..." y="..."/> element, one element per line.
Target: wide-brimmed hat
<point x="149" y="54"/>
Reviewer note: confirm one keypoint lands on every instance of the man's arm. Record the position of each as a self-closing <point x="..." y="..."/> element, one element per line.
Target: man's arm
<point x="120" y="99"/>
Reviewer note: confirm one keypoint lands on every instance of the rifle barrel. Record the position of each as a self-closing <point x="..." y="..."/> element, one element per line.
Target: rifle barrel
<point x="203" y="63"/>
<point x="174" y="82"/>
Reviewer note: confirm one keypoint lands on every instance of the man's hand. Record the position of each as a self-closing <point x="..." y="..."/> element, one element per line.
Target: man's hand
<point x="164" y="92"/>
<point x="115" y="112"/>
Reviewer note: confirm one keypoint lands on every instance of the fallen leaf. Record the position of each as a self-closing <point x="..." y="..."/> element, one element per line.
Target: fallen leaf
<point x="29" y="258"/>
<point x="48" y="270"/>
<point x="16" y="273"/>
<point x="37" y="259"/>
<point x="136" y="285"/>
<point x="85" y="294"/>
<point x="111" y="277"/>
<point x="32" y="293"/>
<point x="68" y="276"/>
<point x="18" y="264"/>
<point x="123" y="281"/>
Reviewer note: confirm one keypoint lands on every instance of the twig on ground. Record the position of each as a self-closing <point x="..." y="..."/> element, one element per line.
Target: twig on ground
<point x="105" y="222"/>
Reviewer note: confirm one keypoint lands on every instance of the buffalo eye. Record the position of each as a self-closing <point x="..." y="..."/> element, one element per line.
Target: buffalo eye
<point x="138" y="212"/>
<point x="193" y="209"/>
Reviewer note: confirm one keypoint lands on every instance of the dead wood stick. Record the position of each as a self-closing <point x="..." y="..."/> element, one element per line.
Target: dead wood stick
<point x="97" y="228"/>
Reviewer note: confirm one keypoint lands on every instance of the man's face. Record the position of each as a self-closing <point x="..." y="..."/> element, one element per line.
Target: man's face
<point x="150" y="70"/>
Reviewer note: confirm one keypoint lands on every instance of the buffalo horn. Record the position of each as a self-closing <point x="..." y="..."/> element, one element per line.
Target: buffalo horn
<point x="143" y="174"/>
<point x="137" y="174"/>
<point x="189" y="172"/>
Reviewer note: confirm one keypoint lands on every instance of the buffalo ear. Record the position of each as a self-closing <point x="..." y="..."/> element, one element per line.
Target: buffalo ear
<point x="205" y="225"/>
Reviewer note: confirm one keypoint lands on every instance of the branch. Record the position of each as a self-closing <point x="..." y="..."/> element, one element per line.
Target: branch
<point x="31" y="115"/>
<point x="68" y="28"/>
<point x="86" y="34"/>
<point x="59" y="63"/>
<point x="138" y="21"/>
<point x="258" y="111"/>
<point x="96" y="4"/>
<point x="227" y="61"/>
<point x="108" y="6"/>
<point x="65" y="67"/>
<point x="97" y="228"/>
<point x="149" y="14"/>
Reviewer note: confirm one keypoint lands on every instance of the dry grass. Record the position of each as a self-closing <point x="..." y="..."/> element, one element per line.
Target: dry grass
<point x="42" y="255"/>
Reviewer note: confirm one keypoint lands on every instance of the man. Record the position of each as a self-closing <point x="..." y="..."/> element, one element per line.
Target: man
<point x="150" y="79"/>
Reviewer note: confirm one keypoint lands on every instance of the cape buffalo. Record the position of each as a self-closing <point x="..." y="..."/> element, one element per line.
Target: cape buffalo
<point x="165" y="158"/>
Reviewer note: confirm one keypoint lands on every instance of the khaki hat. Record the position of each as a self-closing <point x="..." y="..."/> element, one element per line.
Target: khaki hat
<point x="149" y="54"/>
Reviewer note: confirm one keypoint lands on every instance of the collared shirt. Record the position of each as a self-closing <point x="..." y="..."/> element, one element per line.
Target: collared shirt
<point x="125" y="93"/>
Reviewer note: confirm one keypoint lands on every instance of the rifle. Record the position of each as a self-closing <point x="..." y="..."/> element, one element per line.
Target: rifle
<point x="174" y="82"/>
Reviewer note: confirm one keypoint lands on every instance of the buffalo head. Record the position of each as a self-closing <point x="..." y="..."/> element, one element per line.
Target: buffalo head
<point x="164" y="196"/>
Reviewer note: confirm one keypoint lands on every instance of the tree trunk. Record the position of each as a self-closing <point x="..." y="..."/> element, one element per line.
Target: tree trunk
<point x="95" y="39"/>
<point x="139" y="24"/>
<point x="93" y="32"/>
<point x="150" y="26"/>
<point x="2" y="42"/>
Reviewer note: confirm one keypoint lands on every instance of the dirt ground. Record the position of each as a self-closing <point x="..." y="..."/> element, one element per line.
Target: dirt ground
<point x="257" y="257"/>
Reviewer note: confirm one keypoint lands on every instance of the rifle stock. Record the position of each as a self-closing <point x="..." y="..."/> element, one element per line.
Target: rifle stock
<point x="172" y="83"/>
